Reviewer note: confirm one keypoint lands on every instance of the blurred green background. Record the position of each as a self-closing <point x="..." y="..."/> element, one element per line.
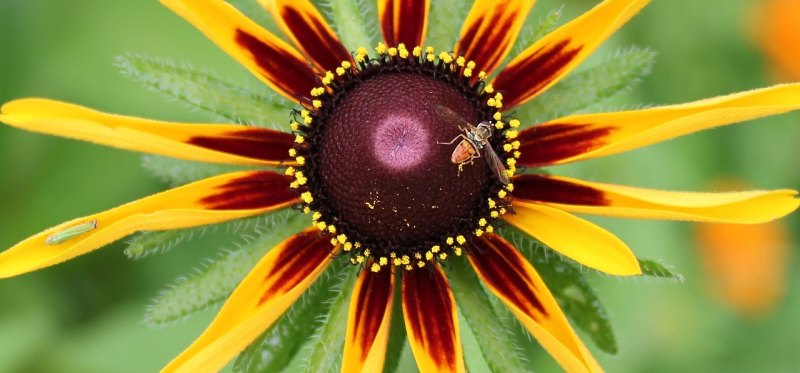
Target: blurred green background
<point x="85" y="315"/>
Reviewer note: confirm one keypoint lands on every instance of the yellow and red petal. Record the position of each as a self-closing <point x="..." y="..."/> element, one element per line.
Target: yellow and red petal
<point x="550" y="59"/>
<point x="270" y="288"/>
<point x="431" y="321"/>
<point x="514" y="280"/>
<point x="490" y="30"/>
<point x="751" y="207"/>
<point x="197" y="142"/>
<point x="403" y="21"/>
<point x="588" y="136"/>
<point x="369" y="322"/>
<point x="578" y="239"/>
<point x="301" y="22"/>
<point x="273" y="61"/>
<point x="226" y="197"/>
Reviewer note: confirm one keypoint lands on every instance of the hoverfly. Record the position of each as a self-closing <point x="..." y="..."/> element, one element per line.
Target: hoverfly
<point x="473" y="140"/>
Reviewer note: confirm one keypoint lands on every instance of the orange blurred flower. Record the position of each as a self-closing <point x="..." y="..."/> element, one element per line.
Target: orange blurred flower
<point x="746" y="265"/>
<point x="777" y="31"/>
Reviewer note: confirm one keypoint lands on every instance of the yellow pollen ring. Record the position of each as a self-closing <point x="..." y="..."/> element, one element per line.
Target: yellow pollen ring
<point x="450" y="245"/>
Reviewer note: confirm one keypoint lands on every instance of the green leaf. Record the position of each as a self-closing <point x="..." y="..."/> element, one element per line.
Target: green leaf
<point x="327" y="343"/>
<point x="499" y="350"/>
<point x="146" y="244"/>
<point x="444" y="23"/>
<point x="212" y="283"/>
<point x="533" y="31"/>
<point x="275" y="348"/>
<point x="349" y="22"/>
<point x="253" y="10"/>
<point x="202" y="90"/>
<point x="397" y="333"/>
<point x="653" y="268"/>
<point x="571" y="290"/>
<point x="175" y="172"/>
<point x="369" y="8"/>
<point x="617" y="73"/>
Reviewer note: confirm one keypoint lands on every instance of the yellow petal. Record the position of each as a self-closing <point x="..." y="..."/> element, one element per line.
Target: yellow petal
<point x="751" y="207"/>
<point x="369" y="322"/>
<point x="490" y="30"/>
<point x="404" y="21"/>
<point x="578" y="239"/>
<point x="589" y="136"/>
<point x="301" y="22"/>
<point x="514" y="280"/>
<point x="226" y="197"/>
<point x="550" y="59"/>
<point x="432" y="321"/>
<point x="197" y="142"/>
<point x="273" y="61"/>
<point x="264" y="295"/>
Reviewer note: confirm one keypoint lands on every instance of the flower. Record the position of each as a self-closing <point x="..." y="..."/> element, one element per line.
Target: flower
<point x="776" y="26"/>
<point x="746" y="266"/>
<point x="364" y="163"/>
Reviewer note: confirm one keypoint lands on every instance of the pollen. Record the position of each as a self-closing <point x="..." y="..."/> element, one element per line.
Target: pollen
<point x="383" y="261"/>
<point x="306" y="197"/>
<point x="361" y="54"/>
<point x="461" y="240"/>
<point x="381" y="48"/>
<point x="402" y="51"/>
<point x="299" y="139"/>
<point x="375" y="267"/>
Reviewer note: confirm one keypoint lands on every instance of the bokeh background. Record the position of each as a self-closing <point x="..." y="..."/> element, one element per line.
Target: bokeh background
<point x="737" y="310"/>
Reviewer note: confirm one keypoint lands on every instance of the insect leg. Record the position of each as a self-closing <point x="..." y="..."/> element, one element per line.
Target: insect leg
<point x="452" y="141"/>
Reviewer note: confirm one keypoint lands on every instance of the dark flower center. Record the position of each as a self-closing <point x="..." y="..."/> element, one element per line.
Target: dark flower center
<point x="376" y="166"/>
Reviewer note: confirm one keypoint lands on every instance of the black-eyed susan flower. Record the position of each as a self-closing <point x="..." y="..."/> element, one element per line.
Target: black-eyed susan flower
<point x="373" y="160"/>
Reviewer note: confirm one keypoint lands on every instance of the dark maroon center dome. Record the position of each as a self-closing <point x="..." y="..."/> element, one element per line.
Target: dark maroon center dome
<point x="379" y="168"/>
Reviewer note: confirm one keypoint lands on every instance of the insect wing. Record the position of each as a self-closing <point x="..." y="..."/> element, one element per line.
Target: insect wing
<point x="66" y="234"/>
<point x="448" y="115"/>
<point x="496" y="164"/>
